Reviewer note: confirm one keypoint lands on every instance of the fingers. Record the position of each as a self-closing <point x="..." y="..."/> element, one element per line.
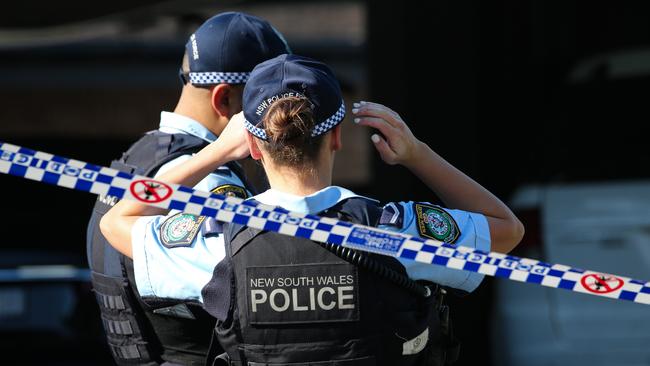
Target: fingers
<point x="379" y="111"/>
<point x="377" y="123"/>
<point x="386" y="153"/>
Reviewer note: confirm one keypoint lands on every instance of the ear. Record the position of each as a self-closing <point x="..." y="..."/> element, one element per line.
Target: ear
<point x="335" y="141"/>
<point x="221" y="100"/>
<point x="256" y="154"/>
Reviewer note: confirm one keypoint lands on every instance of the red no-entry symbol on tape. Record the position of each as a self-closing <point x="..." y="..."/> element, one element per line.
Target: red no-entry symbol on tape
<point x="150" y="191"/>
<point x="601" y="283"/>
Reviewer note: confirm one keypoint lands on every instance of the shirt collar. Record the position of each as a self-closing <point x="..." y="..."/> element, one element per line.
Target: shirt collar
<point x="312" y="204"/>
<point x="175" y="123"/>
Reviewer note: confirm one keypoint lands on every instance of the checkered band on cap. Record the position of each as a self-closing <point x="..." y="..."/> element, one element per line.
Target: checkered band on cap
<point x="319" y="129"/>
<point x="256" y="131"/>
<point x="327" y="125"/>
<point x="210" y="78"/>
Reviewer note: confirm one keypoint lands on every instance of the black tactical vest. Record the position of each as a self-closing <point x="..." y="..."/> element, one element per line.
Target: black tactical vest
<point x="149" y="331"/>
<point x="283" y="300"/>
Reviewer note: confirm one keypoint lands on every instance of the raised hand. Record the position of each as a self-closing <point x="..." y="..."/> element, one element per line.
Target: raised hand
<point x="232" y="140"/>
<point x="398" y="145"/>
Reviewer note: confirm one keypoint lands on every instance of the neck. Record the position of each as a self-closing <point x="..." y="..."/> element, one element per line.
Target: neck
<point x="195" y="104"/>
<point x="300" y="182"/>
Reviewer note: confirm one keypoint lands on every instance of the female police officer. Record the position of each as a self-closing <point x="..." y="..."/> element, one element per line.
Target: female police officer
<point x="284" y="300"/>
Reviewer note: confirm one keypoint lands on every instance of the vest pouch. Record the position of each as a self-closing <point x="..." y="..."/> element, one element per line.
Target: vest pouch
<point x="442" y="347"/>
<point x="351" y="353"/>
<point x="123" y="331"/>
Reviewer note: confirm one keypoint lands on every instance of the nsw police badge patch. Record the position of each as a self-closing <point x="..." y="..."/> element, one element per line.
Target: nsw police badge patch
<point x="231" y="190"/>
<point x="435" y="223"/>
<point x="180" y="230"/>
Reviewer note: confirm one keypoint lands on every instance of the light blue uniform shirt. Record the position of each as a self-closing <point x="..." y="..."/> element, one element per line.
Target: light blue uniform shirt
<point x="181" y="272"/>
<point x="474" y="233"/>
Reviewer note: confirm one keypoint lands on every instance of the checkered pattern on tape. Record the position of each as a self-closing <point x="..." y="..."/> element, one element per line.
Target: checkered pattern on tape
<point x="69" y="173"/>
<point x="633" y="290"/>
<point x="210" y="78"/>
<point x="78" y="175"/>
<point x="263" y="217"/>
<point x="515" y="268"/>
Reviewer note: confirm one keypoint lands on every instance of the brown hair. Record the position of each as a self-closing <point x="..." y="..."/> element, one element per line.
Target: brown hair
<point x="288" y="124"/>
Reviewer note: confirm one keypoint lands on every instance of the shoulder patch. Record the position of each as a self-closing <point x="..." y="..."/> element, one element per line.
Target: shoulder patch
<point x="231" y="190"/>
<point x="180" y="230"/>
<point x="436" y="223"/>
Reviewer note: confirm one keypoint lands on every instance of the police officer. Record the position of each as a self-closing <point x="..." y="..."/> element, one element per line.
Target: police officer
<point x="141" y="328"/>
<point x="286" y="300"/>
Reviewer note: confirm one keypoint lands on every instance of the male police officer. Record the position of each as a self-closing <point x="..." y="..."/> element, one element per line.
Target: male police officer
<point x="149" y="330"/>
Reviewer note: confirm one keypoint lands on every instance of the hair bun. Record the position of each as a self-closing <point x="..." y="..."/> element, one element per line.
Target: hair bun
<point x="289" y="119"/>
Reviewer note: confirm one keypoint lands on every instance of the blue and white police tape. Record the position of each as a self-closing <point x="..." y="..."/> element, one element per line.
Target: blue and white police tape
<point x="47" y="168"/>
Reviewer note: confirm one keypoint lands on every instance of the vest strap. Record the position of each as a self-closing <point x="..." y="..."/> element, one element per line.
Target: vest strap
<point x="162" y="150"/>
<point x="243" y="237"/>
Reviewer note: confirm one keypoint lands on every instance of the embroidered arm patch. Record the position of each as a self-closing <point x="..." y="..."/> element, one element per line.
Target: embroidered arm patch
<point x="180" y="230"/>
<point x="231" y="190"/>
<point x="433" y="222"/>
